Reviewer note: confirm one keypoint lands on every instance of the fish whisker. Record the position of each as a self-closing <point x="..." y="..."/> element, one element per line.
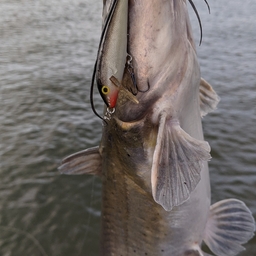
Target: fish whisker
<point x="198" y="18"/>
<point x="208" y="6"/>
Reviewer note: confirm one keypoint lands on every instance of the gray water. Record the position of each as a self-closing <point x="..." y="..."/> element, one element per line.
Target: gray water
<point x="47" y="53"/>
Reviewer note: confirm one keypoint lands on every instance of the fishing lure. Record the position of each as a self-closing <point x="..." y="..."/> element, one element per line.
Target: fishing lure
<point x="112" y="52"/>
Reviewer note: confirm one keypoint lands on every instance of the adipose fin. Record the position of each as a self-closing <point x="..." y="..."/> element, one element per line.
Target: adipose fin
<point x="177" y="162"/>
<point x="87" y="161"/>
<point x="208" y="98"/>
<point x="230" y="225"/>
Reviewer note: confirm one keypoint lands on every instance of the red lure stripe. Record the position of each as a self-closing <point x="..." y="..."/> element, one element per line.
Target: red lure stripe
<point x="113" y="98"/>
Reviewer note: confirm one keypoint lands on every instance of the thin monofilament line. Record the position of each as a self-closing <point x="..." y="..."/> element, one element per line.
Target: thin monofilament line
<point x="90" y="214"/>
<point x="28" y="236"/>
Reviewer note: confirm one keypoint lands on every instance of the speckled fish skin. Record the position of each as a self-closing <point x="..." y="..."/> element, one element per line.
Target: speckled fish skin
<point x="164" y="56"/>
<point x="132" y="222"/>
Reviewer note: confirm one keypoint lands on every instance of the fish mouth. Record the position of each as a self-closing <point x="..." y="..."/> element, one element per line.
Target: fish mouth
<point x="127" y="126"/>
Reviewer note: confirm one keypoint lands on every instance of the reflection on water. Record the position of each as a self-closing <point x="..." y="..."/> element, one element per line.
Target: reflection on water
<point x="47" y="52"/>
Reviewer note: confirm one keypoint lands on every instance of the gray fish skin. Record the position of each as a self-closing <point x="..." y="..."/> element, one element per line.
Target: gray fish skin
<point x="153" y="158"/>
<point x="131" y="220"/>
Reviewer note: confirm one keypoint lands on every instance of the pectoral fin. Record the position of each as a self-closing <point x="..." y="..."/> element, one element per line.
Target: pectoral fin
<point x="208" y="98"/>
<point x="230" y="225"/>
<point x="87" y="161"/>
<point x="177" y="163"/>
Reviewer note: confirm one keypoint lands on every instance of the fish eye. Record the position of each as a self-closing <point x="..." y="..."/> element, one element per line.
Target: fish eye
<point x="105" y="89"/>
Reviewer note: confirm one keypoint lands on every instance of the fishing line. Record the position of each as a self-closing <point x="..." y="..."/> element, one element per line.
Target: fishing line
<point x="89" y="217"/>
<point x="28" y="236"/>
<point x="91" y="92"/>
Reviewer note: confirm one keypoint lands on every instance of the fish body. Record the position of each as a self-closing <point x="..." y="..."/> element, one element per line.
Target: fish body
<point x="153" y="158"/>
<point x="132" y="222"/>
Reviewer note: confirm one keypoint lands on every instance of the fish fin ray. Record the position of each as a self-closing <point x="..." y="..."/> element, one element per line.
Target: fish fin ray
<point x="177" y="162"/>
<point x="87" y="161"/>
<point x="196" y="251"/>
<point x="208" y="98"/>
<point x="230" y="224"/>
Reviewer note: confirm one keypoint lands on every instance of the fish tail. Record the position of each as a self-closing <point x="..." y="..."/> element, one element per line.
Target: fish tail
<point x="230" y="224"/>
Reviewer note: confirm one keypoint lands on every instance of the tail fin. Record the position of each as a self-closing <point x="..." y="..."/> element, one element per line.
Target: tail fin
<point x="230" y="225"/>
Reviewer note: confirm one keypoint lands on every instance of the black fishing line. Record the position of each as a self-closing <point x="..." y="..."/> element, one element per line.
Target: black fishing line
<point x="91" y="92"/>
<point x="198" y="17"/>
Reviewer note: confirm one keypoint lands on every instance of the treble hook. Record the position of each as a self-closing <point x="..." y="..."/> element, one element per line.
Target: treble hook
<point x="130" y="69"/>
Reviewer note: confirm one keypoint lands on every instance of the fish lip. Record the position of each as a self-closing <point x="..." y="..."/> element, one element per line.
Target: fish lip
<point x="128" y="125"/>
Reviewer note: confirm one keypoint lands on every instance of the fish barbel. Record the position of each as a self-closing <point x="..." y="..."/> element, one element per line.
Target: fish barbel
<point x="153" y="158"/>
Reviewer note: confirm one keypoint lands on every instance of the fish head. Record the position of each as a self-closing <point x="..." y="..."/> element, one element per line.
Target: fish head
<point x="164" y="58"/>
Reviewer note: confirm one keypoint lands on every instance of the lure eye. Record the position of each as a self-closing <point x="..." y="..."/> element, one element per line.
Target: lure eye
<point x="108" y="92"/>
<point x="105" y="90"/>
